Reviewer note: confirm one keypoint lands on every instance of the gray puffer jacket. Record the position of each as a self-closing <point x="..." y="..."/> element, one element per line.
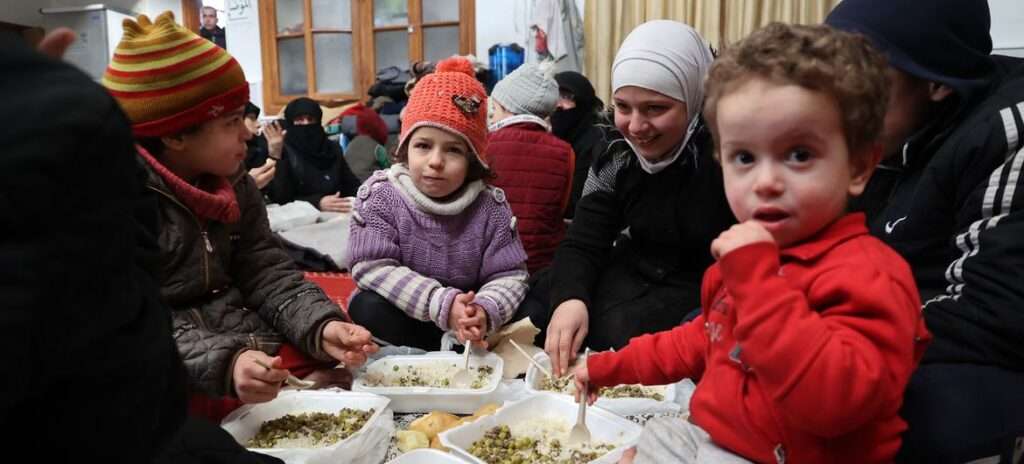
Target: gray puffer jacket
<point x="232" y="288"/>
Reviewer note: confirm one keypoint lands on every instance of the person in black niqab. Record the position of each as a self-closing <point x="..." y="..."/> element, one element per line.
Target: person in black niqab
<point x="305" y="132"/>
<point x="577" y="121"/>
<point x="312" y="168"/>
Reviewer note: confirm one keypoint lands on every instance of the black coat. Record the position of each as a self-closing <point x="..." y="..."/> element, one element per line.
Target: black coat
<point x="297" y="178"/>
<point x="231" y="288"/>
<point x="953" y="206"/>
<point x="651" y="277"/>
<point x="589" y="142"/>
<point x="218" y="36"/>
<point x="256" y="152"/>
<point x="93" y="373"/>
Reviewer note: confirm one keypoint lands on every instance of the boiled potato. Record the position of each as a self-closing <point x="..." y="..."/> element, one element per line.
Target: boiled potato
<point x="486" y="410"/>
<point x="436" y="444"/>
<point x="412" y="439"/>
<point x="433" y="423"/>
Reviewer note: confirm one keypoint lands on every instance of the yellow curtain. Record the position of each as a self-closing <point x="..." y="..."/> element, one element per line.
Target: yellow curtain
<point x="721" y="22"/>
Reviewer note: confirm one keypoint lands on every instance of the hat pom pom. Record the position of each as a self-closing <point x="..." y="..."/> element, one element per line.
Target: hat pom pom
<point x="456" y="64"/>
<point x="134" y="29"/>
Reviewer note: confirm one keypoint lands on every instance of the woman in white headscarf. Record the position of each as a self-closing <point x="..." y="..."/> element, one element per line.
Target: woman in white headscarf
<point x="634" y="256"/>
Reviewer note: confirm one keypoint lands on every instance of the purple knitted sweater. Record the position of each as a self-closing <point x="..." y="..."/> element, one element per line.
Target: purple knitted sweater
<point x="419" y="253"/>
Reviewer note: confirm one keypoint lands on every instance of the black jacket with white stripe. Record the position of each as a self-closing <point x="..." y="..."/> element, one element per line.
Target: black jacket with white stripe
<point x="953" y="206"/>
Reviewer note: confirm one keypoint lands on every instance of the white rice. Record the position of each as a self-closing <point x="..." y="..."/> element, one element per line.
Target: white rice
<point x="437" y="374"/>
<point x="546" y="429"/>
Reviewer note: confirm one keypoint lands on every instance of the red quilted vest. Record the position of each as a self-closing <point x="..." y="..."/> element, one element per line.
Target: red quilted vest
<point x="534" y="168"/>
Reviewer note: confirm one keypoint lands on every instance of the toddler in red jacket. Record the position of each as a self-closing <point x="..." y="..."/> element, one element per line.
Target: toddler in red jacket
<point x="810" y="327"/>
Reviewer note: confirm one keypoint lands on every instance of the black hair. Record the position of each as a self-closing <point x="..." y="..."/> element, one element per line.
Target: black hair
<point x="155" y="146"/>
<point x="251" y="110"/>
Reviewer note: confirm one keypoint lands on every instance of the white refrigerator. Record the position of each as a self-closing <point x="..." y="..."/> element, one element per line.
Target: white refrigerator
<point x="99" y="30"/>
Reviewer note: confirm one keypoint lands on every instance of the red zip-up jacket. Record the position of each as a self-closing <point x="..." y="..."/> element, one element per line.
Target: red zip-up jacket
<point x="801" y="355"/>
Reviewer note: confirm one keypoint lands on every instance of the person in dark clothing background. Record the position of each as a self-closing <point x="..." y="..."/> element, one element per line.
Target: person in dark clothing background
<point x="577" y="120"/>
<point x="93" y="373"/>
<point x="312" y="168"/>
<point x="263" y="149"/>
<point x="948" y="198"/>
<point x="210" y="30"/>
<point x="367" y="137"/>
<point x="256" y="148"/>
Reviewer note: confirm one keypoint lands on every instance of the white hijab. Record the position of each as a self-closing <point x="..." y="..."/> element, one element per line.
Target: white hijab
<point x="672" y="59"/>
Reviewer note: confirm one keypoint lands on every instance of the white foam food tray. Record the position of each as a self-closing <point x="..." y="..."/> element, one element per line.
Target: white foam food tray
<point x="620" y="406"/>
<point x="605" y="427"/>
<point x="426" y="399"/>
<point x="426" y="456"/>
<point x="245" y="422"/>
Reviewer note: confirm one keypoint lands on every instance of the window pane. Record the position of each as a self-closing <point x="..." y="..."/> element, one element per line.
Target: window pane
<point x="333" y="62"/>
<point x="289" y="16"/>
<point x="332" y="14"/>
<point x="390" y="12"/>
<point x="440" y="10"/>
<point x="291" y="66"/>
<point x="392" y="48"/>
<point x="440" y="42"/>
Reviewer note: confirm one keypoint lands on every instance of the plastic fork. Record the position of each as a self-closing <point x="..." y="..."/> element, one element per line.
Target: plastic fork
<point x="580" y="433"/>
<point x="462" y="378"/>
<point x="291" y="380"/>
<point x="530" y="358"/>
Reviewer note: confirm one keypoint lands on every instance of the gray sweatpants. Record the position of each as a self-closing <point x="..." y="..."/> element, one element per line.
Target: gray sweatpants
<point x="673" y="439"/>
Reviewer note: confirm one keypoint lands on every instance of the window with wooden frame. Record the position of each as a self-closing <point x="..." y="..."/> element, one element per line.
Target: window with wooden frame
<point x="331" y="50"/>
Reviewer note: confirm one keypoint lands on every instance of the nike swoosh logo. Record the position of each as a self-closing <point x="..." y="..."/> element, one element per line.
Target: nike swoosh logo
<point x="889" y="226"/>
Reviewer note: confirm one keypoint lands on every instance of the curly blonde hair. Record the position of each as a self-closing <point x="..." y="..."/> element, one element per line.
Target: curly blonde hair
<point x="842" y="65"/>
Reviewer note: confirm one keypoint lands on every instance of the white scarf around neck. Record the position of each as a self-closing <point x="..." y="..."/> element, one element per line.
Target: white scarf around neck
<point x="654" y="167"/>
<point x="519" y="119"/>
<point x="400" y="177"/>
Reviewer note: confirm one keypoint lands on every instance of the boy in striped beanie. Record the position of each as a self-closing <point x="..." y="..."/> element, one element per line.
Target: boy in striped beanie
<point x="242" y="315"/>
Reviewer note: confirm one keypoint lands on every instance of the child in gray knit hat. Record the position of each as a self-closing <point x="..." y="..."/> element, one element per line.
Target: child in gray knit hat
<point x="532" y="165"/>
<point x="528" y="91"/>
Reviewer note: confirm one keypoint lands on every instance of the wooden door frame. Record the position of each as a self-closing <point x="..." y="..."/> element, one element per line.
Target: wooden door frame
<point x="190" y="11"/>
<point x="362" y="37"/>
<point x="467" y="34"/>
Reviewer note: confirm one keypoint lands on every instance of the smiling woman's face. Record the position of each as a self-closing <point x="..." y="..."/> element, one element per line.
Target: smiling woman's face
<point x="652" y="122"/>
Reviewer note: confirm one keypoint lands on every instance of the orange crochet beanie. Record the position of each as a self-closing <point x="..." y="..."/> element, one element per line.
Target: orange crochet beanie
<point x="451" y="99"/>
<point x="168" y="79"/>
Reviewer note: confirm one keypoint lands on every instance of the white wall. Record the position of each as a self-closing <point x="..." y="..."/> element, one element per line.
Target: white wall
<point x="26" y="12"/>
<point x="242" y="20"/>
<point x="23" y="12"/>
<point x="155" y="7"/>
<point x="1007" y="26"/>
<point x="500" y="22"/>
<point x="504" y="21"/>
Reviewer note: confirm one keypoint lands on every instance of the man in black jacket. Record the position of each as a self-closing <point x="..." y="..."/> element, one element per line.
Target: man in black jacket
<point x="210" y="30"/>
<point x="92" y="372"/>
<point x="949" y="198"/>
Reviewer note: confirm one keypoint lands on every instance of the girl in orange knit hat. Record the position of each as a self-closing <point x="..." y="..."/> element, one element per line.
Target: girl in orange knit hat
<point x="432" y="246"/>
<point x="242" y="315"/>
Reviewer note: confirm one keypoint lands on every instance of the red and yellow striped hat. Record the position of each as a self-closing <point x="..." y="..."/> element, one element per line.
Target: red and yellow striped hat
<point x="168" y="79"/>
